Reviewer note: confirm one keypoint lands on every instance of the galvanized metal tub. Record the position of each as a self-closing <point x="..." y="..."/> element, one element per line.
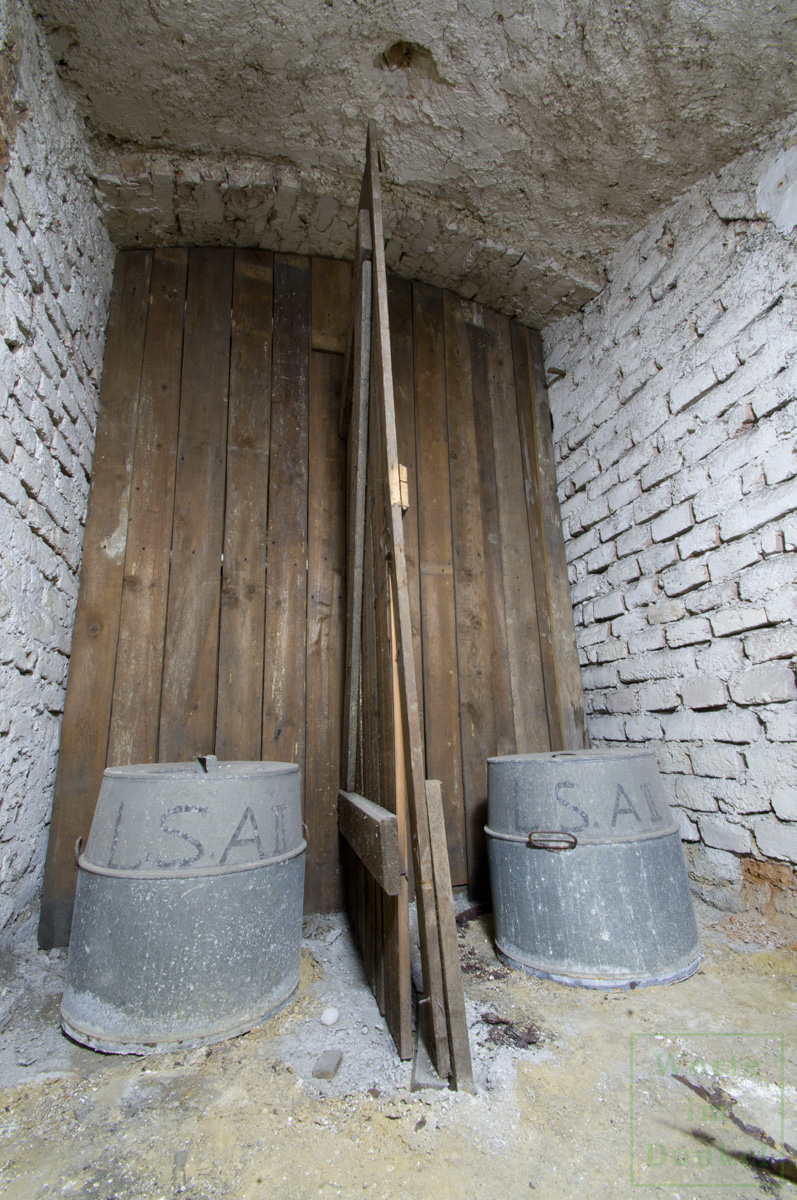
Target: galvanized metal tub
<point x="588" y="871"/>
<point x="188" y="914"/>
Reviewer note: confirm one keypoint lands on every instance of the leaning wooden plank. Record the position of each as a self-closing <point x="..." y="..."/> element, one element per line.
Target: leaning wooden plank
<point x="362" y="252"/>
<point x="357" y="458"/>
<point x="372" y="833"/>
<point x="525" y="408"/>
<point x="331" y="287"/>
<point x="87" y="709"/>
<point x="142" y="625"/>
<point x="190" y="666"/>
<point x="477" y="712"/>
<point x="385" y="428"/>
<point x="326" y="599"/>
<point x="568" y="672"/>
<point x="436" y="558"/>
<point x="459" y="1045"/>
<point x="523" y="639"/>
<point x="243" y="576"/>
<point x="286" y="584"/>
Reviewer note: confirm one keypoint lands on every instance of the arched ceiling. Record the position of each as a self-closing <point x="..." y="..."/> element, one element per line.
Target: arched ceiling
<point x="523" y="142"/>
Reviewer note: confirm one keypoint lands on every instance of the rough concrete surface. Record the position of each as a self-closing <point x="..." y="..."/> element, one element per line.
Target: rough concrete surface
<point x="523" y="143"/>
<point x="559" y="1072"/>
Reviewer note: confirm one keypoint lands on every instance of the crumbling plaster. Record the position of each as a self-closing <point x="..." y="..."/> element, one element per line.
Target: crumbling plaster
<point x="522" y="146"/>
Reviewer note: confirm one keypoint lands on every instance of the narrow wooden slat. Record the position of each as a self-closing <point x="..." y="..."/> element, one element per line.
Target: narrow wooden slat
<point x="142" y="625"/>
<point x="188" y="697"/>
<point x="372" y="833"/>
<point x="570" y="691"/>
<point x="523" y="639"/>
<point x="87" y="708"/>
<point x="286" y="584"/>
<point x="331" y="288"/>
<point x="525" y="408"/>
<point x="326" y="595"/>
<point x="461" y="1068"/>
<point x="503" y="707"/>
<point x="396" y="912"/>
<point x="399" y="296"/>
<point x="477" y="716"/>
<point x="243" y="591"/>
<point x="438" y="616"/>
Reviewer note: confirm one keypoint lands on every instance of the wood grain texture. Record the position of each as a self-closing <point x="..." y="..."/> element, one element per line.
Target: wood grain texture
<point x="243" y="589"/>
<point x="534" y="514"/>
<point x="477" y="714"/>
<point x="570" y="693"/>
<point x="372" y="832"/>
<point x="330" y="301"/>
<point x="436" y="561"/>
<point x="326" y="597"/>
<point x="284" y="693"/>
<point x="190" y="667"/>
<point x="523" y="640"/>
<point x="87" y="707"/>
<point x="142" y="625"/>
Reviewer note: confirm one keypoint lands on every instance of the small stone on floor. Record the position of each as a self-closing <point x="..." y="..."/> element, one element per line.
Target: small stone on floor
<point x="327" y="1065"/>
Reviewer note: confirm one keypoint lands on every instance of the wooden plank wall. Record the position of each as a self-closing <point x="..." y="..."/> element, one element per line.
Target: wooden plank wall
<point x="211" y="610"/>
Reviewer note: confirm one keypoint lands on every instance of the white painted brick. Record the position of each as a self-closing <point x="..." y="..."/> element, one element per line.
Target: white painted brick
<point x="768" y="644"/>
<point x="611" y="651"/>
<point x="670" y="524"/>
<point x="659" y="664"/>
<point x="770" y="576"/>
<point x="609" y="606"/>
<point x="718" y="832"/>
<point x="737" y="726"/>
<point x="649" y="639"/>
<point x="727" y="562"/>
<point x="776" y="839"/>
<point x="673" y="758"/>
<point x="705" y="692"/>
<point x="689" y="390"/>
<point x="699" y="539"/>
<point x="780" y="722"/>
<point x="661" y="467"/>
<point x="688" y="632"/>
<point x="665" y="611"/>
<point x="658" y="697"/>
<point x="684" y="577"/>
<point x="642" y="728"/>
<point x="609" y="729"/>
<point x="687" y="827"/>
<point x="766" y="684"/>
<point x="695" y="794"/>
<point x="717" y="762"/>
<point x="759" y="510"/>
<point x="737" y="620"/>
<point x="784" y="802"/>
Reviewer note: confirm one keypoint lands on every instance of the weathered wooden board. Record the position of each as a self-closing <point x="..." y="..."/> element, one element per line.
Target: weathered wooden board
<point x="522" y="635"/>
<point x="331" y="292"/>
<point x="286" y="587"/>
<point x="477" y="714"/>
<point x="243" y="589"/>
<point x="570" y="693"/>
<point x="438" y="615"/>
<point x="326" y="598"/>
<point x="372" y="832"/>
<point x="139" y="656"/>
<point x="87" y="709"/>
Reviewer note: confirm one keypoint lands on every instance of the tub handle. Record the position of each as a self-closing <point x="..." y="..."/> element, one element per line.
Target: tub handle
<point x="552" y="839"/>
<point x="78" y="851"/>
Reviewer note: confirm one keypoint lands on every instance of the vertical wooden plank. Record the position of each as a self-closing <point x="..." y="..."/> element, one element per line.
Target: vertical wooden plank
<point x="326" y="628"/>
<point x="473" y="636"/>
<point x="330" y="304"/>
<point x="87" y="708"/>
<point x="525" y="408"/>
<point x="396" y="909"/>
<point x="570" y="692"/>
<point x="188" y="697"/>
<point x="523" y="639"/>
<point x="399" y="295"/>
<point x="493" y="568"/>
<point x="243" y="588"/>
<point x="142" y="624"/>
<point x="286" y="584"/>
<point x="438" y="618"/>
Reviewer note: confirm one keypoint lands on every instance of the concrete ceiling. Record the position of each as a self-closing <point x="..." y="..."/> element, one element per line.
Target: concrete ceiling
<point x="523" y="142"/>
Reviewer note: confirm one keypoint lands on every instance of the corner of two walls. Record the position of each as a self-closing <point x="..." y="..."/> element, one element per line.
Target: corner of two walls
<point x="676" y="431"/>
<point x="56" y="265"/>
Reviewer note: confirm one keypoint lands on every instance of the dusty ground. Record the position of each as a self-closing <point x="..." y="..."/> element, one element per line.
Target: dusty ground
<point x="557" y="1090"/>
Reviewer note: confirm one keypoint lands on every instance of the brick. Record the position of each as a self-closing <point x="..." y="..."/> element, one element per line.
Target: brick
<point x="686" y="826"/>
<point x="723" y="835"/>
<point x="611" y="651"/>
<point x="688" y="632"/>
<point x="784" y="802"/>
<point x="673" y="758"/>
<point x="658" y="558"/>
<point x="766" y="684"/>
<point x="642" y="728"/>
<point x="767" y="644"/>
<point x="658" y="697"/>
<point x="633" y="541"/>
<point x="740" y="798"/>
<point x="623" y="700"/>
<point x="780" y="722"/>
<point x="609" y="606"/>
<point x="661" y="467"/>
<point x="737" y="726"/>
<point x="670" y="524"/>
<point x="776" y="839"/>
<point x="727" y="562"/>
<point x="737" y="620"/>
<point x="695" y="794"/>
<point x="649" y="639"/>
<point x="666" y="610"/>
<point x="772" y="575"/>
<point x="599" y="677"/>
<point x="704" y="693"/>
<point x="653" y="503"/>
<point x="659" y="664"/>
<point x="690" y="390"/>
<point x="717" y="762"/>
<point x="684" y="577"/>
<point x="608" y="729"/>
<point x="759" y="510"/>
<point x="705" y="536"/>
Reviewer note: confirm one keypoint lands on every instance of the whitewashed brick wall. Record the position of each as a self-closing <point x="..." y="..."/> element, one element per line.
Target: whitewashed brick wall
<point x="676" y="432"/>
<point x="56" y="263"/>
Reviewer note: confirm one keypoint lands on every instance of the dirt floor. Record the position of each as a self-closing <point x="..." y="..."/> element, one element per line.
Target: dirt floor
<point x="685" y="1091"/>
